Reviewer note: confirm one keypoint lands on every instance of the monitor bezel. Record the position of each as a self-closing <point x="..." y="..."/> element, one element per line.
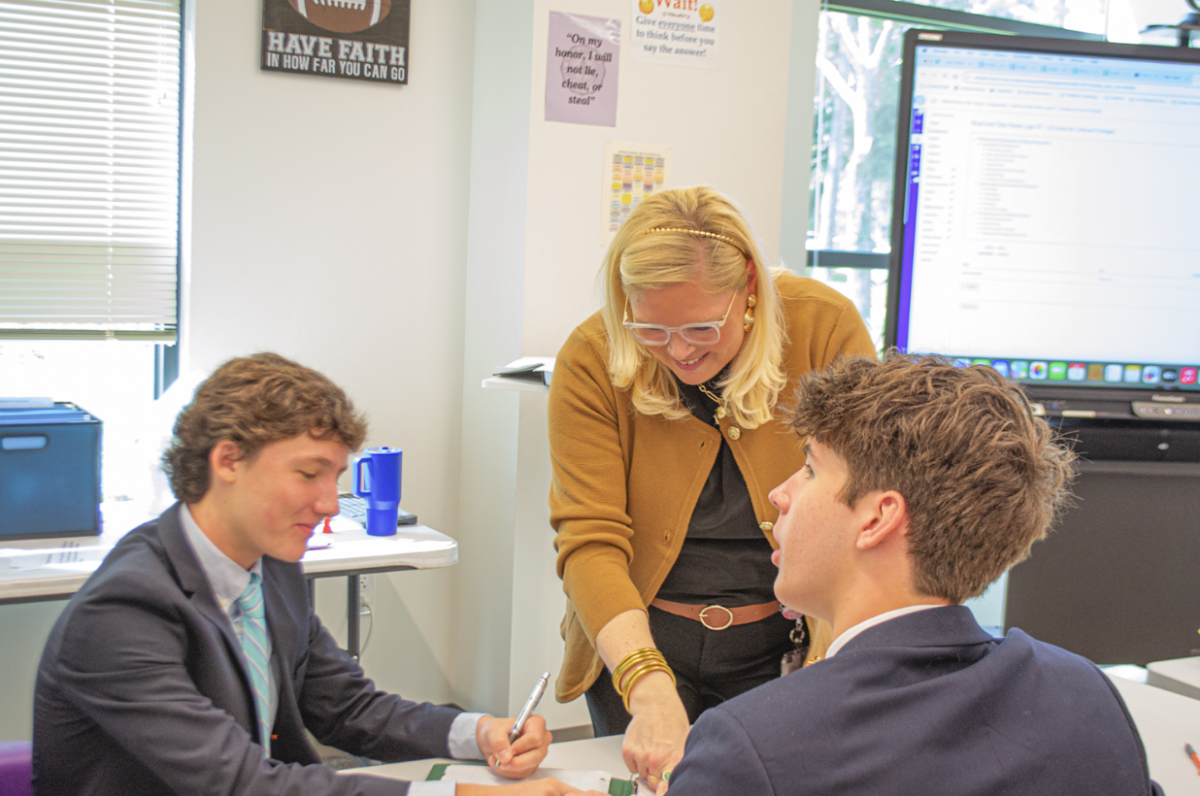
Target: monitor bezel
<point x="915" y="37"/>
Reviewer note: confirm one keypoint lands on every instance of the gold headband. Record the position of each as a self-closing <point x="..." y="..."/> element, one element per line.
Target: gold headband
<point x="701" y="233"/>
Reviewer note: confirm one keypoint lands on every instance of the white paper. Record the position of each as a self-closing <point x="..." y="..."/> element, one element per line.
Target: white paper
<point x="631" y="173"/>
<point x="69" y="556"/>
<point x="482" y="775"/>
<point x="26" y="403"/>
<point x="544" y="363"/>
<point x="676" y="32"/>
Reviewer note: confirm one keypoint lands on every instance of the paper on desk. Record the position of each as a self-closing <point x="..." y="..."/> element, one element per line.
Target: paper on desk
<point x="338" y="523"/>
<point x="539" y="369"/>
<point x="82" y="558"/>
<point x="482" y="775"/>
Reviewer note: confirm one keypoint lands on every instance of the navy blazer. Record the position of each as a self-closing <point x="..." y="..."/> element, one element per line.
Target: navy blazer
<point x="924" y="703"/>
<point x="141" y="688"/>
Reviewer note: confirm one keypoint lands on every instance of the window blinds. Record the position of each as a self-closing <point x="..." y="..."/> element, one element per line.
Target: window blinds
<point x="89" y="168"/>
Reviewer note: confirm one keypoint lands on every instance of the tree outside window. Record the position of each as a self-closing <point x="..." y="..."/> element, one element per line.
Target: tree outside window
<point x="860" y="44"/>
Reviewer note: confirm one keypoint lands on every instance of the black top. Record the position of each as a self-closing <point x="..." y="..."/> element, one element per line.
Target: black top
<point x="725" y="558"/>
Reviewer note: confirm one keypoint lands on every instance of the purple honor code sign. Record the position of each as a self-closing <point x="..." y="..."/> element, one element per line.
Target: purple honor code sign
<point x="581" y="69"/>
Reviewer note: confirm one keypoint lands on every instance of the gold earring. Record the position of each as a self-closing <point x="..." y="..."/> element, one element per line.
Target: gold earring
<point x="748" y="319"/>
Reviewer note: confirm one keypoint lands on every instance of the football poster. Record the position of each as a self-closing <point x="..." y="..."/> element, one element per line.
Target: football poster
<point x="352" y="39"/>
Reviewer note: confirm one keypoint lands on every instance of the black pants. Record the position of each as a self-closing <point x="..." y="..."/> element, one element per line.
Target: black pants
<point x="710" y="665"/>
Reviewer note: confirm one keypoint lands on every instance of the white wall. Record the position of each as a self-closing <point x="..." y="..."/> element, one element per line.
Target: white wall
<point x="405" y="240"/>
<point x="797" y="159"/>
<point x="329" y="224"/>
<point x="495" y="263"/>
<point x="25" y="630"/>
<point x="727" y="127"/>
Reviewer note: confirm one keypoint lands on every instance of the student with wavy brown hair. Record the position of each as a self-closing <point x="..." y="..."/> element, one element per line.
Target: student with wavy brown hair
<point x="923" y="484"/>
<point x="193" y="663"/>
<point x="665" y="439"/>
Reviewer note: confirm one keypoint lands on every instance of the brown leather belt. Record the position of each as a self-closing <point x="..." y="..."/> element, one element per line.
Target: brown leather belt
<point x="718" y="617"/>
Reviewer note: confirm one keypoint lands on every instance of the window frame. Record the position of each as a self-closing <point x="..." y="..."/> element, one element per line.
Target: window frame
<point x="166" y="354"/>
<point x="936" y="19"/>
<point x="113" y="329"/>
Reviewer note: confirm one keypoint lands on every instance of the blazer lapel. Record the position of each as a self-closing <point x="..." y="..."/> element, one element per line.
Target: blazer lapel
<point x="193" y="581"/>
<point x="286" y="605"/>
<point x="280" y="624"/>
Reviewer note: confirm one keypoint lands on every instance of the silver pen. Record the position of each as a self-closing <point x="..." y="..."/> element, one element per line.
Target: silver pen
<point x="535" y="696"/>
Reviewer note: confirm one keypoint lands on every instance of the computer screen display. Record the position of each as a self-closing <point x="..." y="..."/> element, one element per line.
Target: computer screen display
<point x="1046" y="219"/>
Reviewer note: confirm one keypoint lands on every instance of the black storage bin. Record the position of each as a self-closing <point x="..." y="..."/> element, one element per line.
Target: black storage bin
<point x="49" y="472"/>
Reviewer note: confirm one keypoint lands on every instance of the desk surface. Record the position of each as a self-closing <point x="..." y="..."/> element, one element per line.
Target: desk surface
<point x="58" y="572"/>
<point x="1166" y="721"/>
<point x="1181" y="675"/>
<point x="592" y="754"/>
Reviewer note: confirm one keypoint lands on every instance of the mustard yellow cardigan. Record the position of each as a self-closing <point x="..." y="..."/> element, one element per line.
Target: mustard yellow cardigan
<point x="624" y="484"/>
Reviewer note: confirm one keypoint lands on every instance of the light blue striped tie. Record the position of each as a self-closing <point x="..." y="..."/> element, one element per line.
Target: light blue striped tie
<point x="254" y="646"/>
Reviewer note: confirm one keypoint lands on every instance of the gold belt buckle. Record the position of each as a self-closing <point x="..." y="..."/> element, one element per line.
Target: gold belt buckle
<point x="704" y="619"/>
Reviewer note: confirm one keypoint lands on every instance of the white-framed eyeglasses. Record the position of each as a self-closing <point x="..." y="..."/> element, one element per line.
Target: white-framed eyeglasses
<point x="653" y="334"/>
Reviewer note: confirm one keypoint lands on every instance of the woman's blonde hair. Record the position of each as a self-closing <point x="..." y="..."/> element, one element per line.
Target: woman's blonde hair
<point x="662" y="243"/>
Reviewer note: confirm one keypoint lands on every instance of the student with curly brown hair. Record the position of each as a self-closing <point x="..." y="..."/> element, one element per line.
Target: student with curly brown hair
<point x="922" y="484"/>
<point x="192" y="661"/>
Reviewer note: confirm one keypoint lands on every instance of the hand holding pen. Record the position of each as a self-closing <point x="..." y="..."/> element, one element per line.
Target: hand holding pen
<point x="516" y="747"/>
<point x="535" y="696"/>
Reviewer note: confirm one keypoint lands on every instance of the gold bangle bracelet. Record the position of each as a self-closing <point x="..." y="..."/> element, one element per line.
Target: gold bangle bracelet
<point x="620" y="678"/>
<point x="622" y="686"/>
<point x="632" y="659"/>
<point x="636" y="655"/>
<point x="641" y="672"/>
<point x="637" y="671"/>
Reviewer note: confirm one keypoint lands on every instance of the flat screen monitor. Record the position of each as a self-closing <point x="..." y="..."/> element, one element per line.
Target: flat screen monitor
<point x="1046" y="219"/>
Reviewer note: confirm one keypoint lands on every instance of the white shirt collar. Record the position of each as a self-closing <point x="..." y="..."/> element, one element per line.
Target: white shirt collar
<point x="878" y="619"/>
<point x="227" y="578"/>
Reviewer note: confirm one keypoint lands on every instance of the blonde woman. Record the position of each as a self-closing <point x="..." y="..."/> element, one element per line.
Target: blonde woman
<point x="666" y="438"/>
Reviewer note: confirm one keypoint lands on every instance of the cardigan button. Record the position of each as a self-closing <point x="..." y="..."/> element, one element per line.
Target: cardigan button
<point x="735" y="433"/>
<point x="766" y="526"/>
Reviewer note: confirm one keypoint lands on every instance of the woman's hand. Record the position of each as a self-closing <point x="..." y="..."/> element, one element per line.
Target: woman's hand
<point x="524" y="755"/>
<point x="656" y="736"/>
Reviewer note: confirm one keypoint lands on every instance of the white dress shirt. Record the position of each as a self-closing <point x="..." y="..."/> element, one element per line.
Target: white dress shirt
<point x="878" y="619"/>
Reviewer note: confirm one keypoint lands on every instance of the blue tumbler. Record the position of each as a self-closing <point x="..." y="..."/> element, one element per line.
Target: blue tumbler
<point x="383" y="488"/>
